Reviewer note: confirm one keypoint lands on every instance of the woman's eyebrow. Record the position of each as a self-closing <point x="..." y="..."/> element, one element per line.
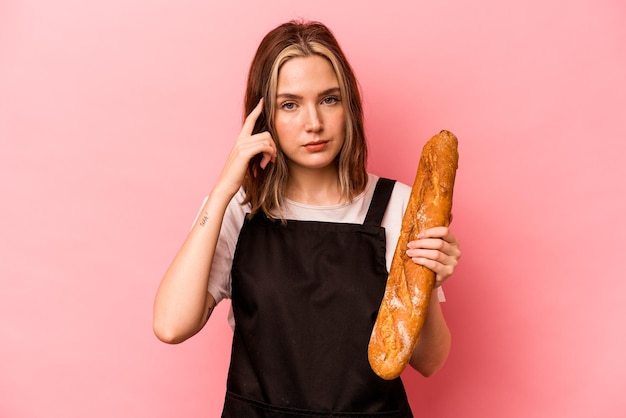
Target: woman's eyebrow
<point x="288" y="96"/>
<point x="332" y="90"/>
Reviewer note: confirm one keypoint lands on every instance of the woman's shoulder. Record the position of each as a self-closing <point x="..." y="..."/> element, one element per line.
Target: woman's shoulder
<point x="402" y="189"/>
<point x="400" y="193"/>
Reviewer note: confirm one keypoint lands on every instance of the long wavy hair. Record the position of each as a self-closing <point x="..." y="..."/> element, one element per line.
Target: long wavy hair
<point x="264" y="189"/>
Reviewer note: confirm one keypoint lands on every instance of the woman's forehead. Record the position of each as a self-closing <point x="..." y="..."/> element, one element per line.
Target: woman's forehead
<point x="300" y="75"/>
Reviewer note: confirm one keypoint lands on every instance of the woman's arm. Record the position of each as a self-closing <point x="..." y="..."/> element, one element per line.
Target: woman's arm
<point x="182" y="305"/>
<point x="433" y="344"/>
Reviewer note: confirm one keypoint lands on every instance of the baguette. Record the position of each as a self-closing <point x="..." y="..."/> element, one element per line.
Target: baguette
<point x="409" y="286"/>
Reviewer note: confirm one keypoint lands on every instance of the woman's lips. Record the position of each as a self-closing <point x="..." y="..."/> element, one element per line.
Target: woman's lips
<point x="316" y="146"/>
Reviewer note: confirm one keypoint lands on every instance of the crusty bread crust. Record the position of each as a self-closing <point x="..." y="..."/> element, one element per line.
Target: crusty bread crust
<point x="409" y="286"/>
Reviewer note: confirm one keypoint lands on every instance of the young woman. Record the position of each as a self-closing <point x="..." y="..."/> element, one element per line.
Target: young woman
<point x="300" y="237"/>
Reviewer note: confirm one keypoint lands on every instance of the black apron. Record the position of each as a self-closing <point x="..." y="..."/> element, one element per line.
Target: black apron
<point x="305" y="297"/>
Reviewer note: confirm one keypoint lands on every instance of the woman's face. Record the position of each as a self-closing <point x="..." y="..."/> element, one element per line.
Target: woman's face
<point x="309" y="118"/>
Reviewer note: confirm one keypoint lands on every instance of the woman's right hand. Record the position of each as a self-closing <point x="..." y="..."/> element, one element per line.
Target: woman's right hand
<point x="246" y="147"/>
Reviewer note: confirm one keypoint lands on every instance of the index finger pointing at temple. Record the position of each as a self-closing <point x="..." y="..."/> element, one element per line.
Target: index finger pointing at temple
<point x="248" y="125"/>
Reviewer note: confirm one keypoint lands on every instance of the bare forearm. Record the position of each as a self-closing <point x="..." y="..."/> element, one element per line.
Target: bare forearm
<point x="434" y="341"/>
<point x="182" y="304"/>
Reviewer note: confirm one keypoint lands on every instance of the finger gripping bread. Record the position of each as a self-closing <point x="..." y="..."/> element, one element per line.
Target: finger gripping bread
<point x="409" y="286"/>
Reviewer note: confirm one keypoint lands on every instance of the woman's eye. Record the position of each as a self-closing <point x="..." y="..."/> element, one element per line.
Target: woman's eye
<point x="330" y="100"/>
<point x="288" y="106"/>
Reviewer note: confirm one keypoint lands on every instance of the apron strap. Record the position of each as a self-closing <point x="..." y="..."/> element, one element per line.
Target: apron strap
<point x="377" y="208"/>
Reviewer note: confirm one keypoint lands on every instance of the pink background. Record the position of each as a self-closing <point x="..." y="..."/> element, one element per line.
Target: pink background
<point x="115" y="118"/>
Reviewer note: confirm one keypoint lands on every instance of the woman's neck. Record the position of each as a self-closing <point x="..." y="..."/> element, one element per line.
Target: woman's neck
<point x="318" y="187"/>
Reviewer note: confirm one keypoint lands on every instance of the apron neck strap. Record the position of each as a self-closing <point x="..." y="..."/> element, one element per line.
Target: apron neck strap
<point x="377" y="208"/>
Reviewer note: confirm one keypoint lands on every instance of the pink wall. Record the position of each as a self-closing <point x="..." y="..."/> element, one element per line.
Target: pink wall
<point x="115" y="118"/>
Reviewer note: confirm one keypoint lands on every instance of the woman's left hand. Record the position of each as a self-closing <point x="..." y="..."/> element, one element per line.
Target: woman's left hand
<point x="438" y="250"/>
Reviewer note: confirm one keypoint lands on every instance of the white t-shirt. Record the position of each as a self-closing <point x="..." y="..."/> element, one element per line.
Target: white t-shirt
<point x="352" y="212"/>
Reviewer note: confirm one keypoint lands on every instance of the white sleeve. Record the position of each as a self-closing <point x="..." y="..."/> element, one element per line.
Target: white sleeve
<point x="220" y="276"/>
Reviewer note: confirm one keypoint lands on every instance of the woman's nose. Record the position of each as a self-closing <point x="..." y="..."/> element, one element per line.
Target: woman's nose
<point x="313" y="122"/>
